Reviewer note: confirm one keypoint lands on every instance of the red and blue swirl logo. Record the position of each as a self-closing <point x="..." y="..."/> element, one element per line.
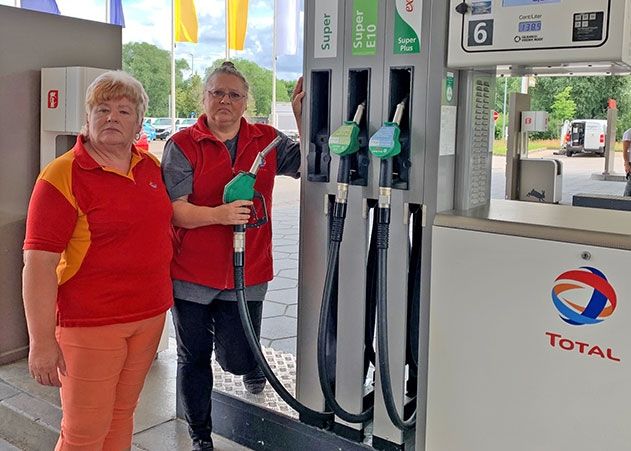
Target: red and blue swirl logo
<point x="583" y="296"/>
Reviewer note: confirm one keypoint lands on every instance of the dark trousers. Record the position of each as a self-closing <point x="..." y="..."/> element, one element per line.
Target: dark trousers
<point x="200" y="328"/>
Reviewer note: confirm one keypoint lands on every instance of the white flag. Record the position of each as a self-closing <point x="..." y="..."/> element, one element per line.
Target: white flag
<point x="287" y="26"/>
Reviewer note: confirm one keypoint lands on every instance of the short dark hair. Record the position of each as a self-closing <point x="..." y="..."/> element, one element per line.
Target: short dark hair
<point x="228" y="68"/>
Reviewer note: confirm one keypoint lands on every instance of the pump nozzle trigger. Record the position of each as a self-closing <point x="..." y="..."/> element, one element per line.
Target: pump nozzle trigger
<point x="255" y="219"/>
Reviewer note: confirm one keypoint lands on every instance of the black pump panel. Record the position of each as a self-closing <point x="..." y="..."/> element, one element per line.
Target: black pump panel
<point x="358" y="92"/>
<point x="319" y="157"/>
<point x="401" y="81"/>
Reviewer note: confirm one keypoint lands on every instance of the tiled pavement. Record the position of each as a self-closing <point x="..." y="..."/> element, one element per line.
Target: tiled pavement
<point x="278" y="330"/>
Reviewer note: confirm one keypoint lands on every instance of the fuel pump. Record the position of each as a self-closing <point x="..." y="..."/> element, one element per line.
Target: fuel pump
<point x="343" y="142"/>
<point x="384" y="144"/>
<point x="241" y="187"/>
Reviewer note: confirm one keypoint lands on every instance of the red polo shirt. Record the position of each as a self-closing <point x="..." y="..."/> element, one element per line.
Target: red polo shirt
<point x="113" y="233"/>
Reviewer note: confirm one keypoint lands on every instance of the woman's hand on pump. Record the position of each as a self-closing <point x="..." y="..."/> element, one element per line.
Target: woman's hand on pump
<point x="234" y="213"/>
<point x="190" y="216"/>
<point x="296" y="103"/>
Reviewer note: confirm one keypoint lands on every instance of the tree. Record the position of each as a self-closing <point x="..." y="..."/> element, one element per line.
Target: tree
<point x="290" y="85"/>
<point x="563" y="108"/>
<point x="152" y="67"/>
<point x="589" y="94"/>
<point x="190" y="97"/>
<point x="260" y="81"/>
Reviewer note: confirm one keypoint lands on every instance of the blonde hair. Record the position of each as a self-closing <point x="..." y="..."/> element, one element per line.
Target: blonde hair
<point x="114" y="85"/>
<point x="228" y="68"/>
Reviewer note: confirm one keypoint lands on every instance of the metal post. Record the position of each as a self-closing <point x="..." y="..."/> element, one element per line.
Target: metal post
<point x="517" y="143"/>
<point x="274" y="30"/>
<point x="172" y="103"/>
<point x="610" y="141"/>
<point x="504" y="132"/>
<point x="227" y="31"/>
<point x="524" y="85"/>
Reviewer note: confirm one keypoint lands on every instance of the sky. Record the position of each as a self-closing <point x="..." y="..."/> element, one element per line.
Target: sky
<point x="149" y="21"/>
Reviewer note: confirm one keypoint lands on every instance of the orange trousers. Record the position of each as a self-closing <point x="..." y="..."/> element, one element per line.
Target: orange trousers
<point x="105" y="371"/>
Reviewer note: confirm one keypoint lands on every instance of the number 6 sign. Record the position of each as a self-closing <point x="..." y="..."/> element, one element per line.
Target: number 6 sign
<point x="480" y="33"/>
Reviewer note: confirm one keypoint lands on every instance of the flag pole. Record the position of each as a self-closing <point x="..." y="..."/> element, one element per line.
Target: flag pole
<point x="108" y="12"/>
<point x="172" y="103"/>
<point x="227" y="31"/>
<point x="274" y="121"/>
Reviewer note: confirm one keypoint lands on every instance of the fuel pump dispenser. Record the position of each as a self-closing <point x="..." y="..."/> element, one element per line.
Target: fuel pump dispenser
<point x="385" y="145"/>
<point x="241" y="187"/>
<point x="506" y="275"/>
<point x="343" y="142"/>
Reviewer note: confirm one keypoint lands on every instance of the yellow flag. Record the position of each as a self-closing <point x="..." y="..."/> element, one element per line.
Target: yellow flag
<point x="237" y="23"/>
<point x="185" y="18"/>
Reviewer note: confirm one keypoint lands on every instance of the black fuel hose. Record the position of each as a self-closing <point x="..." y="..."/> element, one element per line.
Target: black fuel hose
<point x="335" y="239"/>
<point x="337" y="228"/>
<point x="255" y="346"/>
<point x="383" y="233"/>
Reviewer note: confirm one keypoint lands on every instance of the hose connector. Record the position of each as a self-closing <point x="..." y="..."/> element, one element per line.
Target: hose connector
<point x="342" y="193"/>
<point x="238" y="242"/>
<point x="385" y="197"/>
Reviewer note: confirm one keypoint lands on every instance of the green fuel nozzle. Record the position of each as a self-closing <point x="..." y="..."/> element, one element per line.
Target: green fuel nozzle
<point x="241" y="187"/>
<point x="345" y="140"/>
<point x="385" y="142"/>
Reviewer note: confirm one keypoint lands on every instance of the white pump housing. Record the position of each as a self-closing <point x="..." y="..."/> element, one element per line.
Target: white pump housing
<point x="541" y="36"/>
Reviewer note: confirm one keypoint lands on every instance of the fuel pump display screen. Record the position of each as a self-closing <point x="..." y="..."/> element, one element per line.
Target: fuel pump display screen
<point x="525" y="27"/>
<point x="508" y="25"/>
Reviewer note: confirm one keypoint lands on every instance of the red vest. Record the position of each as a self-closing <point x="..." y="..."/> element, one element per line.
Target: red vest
<point x="204" y="255"/>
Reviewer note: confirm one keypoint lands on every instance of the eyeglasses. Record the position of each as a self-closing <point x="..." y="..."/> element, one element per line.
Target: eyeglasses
<point x="232" y="95"/>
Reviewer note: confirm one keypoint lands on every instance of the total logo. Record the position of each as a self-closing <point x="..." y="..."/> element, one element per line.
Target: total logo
<point x="583" y="297"/>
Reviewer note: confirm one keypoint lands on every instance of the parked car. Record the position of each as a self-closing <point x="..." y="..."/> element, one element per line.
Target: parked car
<point x="163" y="127"/>
<point x="184" y="123"/>
<point x="149" y="130"/>
<point x="586" y="136"/>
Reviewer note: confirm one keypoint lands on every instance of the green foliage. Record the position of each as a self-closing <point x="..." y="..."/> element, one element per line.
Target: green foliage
<point x="588" y="94"/>
<point x="512" y="84"/>
<point x="260" y="80"/>
<point x="152" y="67"/>
<point x="563" y="108"/>
<point x="190" y="97"/>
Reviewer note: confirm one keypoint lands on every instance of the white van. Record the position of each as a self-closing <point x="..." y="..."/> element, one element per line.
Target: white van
<point x="586" y="136"/>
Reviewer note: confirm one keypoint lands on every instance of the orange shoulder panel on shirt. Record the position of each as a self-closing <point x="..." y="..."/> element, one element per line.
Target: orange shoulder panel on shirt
<point x="59" y="174"/>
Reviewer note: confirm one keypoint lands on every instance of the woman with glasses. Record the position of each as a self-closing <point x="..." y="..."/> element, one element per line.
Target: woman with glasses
<point x="197" y="163"/>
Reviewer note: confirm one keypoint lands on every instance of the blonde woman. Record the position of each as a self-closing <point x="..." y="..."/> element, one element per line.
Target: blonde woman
<point x="96" y="269"/>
